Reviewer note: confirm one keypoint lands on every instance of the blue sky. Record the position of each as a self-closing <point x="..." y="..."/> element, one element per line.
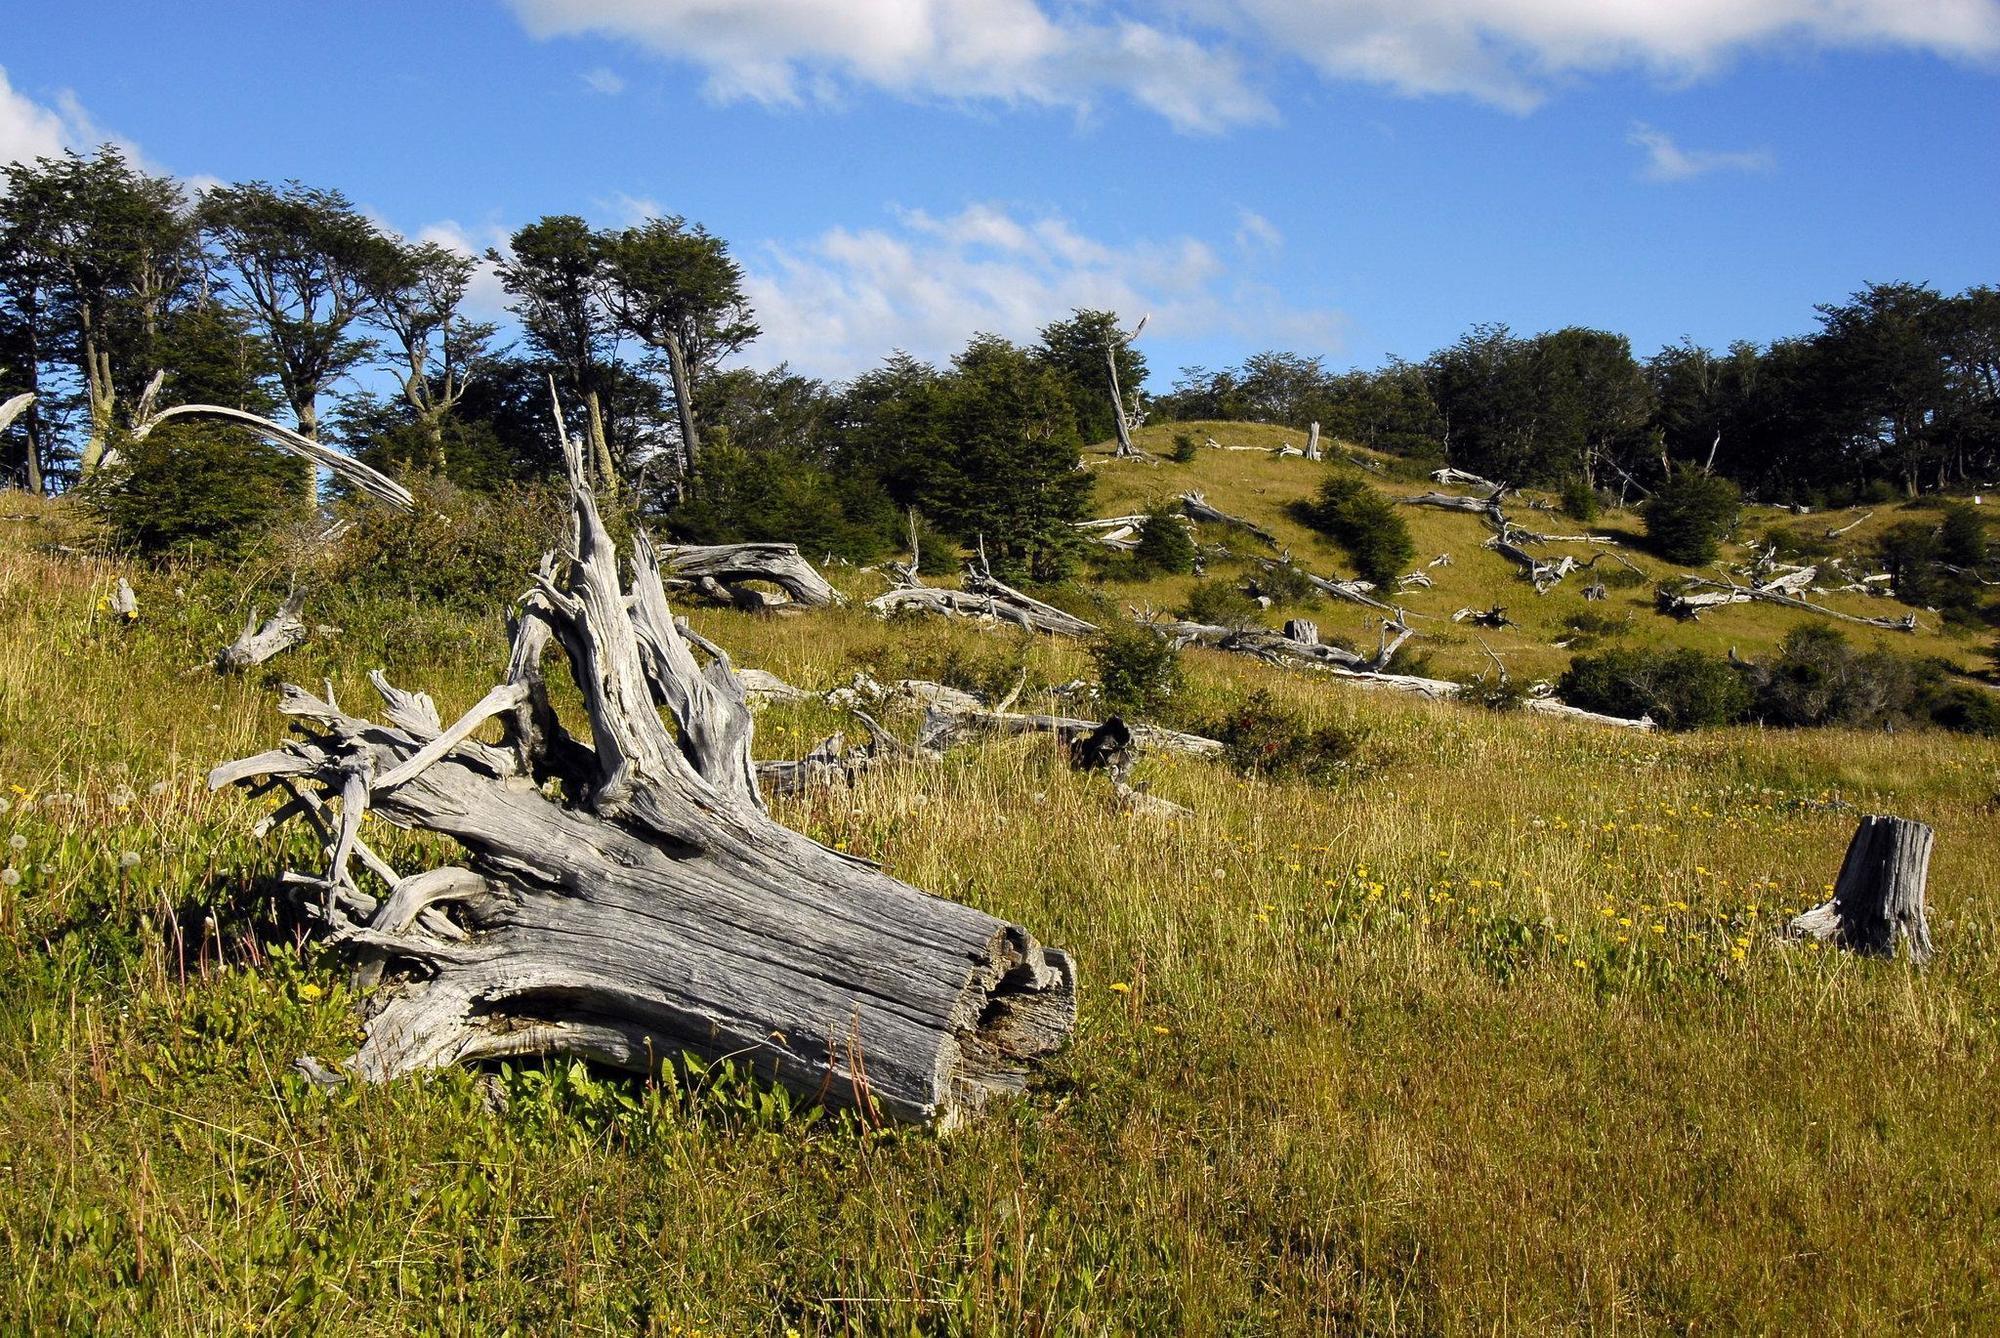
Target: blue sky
<point x="1350" y="178"/>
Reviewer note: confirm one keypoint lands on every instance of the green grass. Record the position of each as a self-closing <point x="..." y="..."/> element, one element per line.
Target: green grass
<point x="1383" y="1057"/>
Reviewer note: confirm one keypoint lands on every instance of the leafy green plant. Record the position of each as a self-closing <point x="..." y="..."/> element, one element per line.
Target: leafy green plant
<point x="1261" y="738"/>
<point x="1165" y="545"/>
<point x="1221" y="603"/>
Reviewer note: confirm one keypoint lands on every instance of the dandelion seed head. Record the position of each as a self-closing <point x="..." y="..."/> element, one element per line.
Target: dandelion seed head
<point x="129" y="860"/>
<point x="10" y="876"/>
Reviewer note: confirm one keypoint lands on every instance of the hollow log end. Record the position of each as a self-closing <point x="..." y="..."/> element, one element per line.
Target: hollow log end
<point x="1018" y="1008"/>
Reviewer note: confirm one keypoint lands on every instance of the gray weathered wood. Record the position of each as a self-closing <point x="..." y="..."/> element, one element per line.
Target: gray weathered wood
<point x="1879" y="897"/>
<point x="1195" y="506"/>
<point x="257" y="643"/>
<point x="655" y="909"/>
<point x="731" y="564"/>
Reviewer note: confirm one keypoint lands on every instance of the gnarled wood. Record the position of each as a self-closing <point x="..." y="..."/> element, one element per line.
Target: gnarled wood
<point x="1194" y="505"/>
<point x="731" y="564"/>
<point x="655" y="909"/>
<point x="1879" y="897"/>
<point x="256" y="644"/>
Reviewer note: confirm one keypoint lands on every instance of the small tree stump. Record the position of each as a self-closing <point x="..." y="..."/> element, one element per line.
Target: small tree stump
<point x="1879" y="895"/>
<point x="1302" y="630"/>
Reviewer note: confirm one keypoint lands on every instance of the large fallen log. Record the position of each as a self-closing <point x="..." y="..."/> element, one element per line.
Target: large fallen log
<point x="1486" y="508"/>
<point x="732" y="564"/>
<point x="1879" y="897"/>
<point x="656" y="909"/>
<point x="984" y="596"/>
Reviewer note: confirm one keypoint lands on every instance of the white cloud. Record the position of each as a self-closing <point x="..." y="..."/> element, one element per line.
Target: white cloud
<point x="837" y="304"/>
<point x="485" y="299"/>
<point x="1204" y="65"/>
<point x="30" y="130"/>
<point x="789" y="52"/>
<point x="601" y="80"/>
<point x="1255" y="232"/>
<point x="1508" y="51"/>
<point x="1668" y="161"/>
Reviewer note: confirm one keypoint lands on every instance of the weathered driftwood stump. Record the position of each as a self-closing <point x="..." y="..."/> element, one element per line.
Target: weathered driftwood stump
<point x="257" y="642"/>
<point x="1879" y="896"/>
<point x="655" y="908"/>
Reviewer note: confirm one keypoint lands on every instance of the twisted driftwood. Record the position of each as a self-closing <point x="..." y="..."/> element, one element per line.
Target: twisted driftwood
<point x="655" y="908"/>
<point x="1879" y="896"/>
<point x="256" y="644"/>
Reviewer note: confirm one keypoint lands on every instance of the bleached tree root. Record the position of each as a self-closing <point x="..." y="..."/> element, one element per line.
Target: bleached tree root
<point x="256" y="644"/>
<point x="655" y="909"/>
<point x="1879" y="897"/>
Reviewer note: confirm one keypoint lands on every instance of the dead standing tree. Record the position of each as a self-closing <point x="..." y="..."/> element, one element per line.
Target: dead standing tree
<point x="1124" y="424"/>
<point x="656" y="908"/>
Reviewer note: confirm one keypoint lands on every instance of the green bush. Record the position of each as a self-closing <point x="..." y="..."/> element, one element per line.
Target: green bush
<point x="193" y="491"/>
<point x="1184" y="448"/>
<point x="1260" y="738"/>
<point x="1365" y="523"/>
<point x="1679" y="689"/>
<point x="1961" y="708"/>
<point x="1800" y="543"/>
<point x="1819" y="678"/>
<point x="1138" y="670"/>
<point x="1961" y="537"/>
<point x="1688" y="515"/>
<point x="1165" y="544"/>
<point x="462" y="549"/>
<point x="1220" y="603"/>
<point x="1286" y="583"/>
<point x="1579" y="501"/>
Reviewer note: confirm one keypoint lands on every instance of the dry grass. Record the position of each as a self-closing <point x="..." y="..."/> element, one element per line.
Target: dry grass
<point x="1383" y="1057"/>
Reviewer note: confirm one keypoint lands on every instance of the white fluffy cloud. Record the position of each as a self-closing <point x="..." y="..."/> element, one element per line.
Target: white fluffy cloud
<point x="1666" y="160"/>
<point x="1011" y="51"/>
<point x="1205" y="64"/>
<point x="30" y="130"/>
<point x="836" y="305"/>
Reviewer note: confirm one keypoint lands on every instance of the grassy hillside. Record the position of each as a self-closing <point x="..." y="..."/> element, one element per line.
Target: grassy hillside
<point x="1263" y="488"/>
<point x="1491" y="1036"/>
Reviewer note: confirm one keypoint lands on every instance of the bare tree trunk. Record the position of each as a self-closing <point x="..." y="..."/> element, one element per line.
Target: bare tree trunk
<point x="683" y="404"/>
<point x="1879" y="896"/>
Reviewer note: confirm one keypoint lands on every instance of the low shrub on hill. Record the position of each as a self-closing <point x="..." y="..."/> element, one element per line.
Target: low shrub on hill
<point x="1138" y="670"/>
<point x="462" y="549"/>
<point x="1261" y="738"/>
<point x="1688" y="514"/>
<point x="1364" y="522"/>
<point x="1165" y="544"/>
<point x="1221" y="603"/>
<point x="1679" y="689"/>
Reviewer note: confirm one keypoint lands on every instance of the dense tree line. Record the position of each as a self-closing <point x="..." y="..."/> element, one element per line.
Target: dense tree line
<point x="1898" y="389"/>
<point x="287" y="300"/>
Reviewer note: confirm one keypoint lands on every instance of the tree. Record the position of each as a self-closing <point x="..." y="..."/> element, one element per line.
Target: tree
<point x="1164" y="543"/>
<point x="552" y="271"/>
<point x="996" y="456"/>
<point x="1689" y="513"/>
<point x="98" y="252"/>
<point x="416" y="293"/>
<point x="675" y="288"/>
<point x="1886" y="355"/>
<point x="1075" y="350"/>
<point x="301" y="261"/>
<point x="1594" y="400"/>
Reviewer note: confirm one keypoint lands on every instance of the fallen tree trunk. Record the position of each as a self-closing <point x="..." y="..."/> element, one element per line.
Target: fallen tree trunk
<point x="984" y="596"/>
<point x="1702" y="594"/>
<point x="1458" y="478"/>
<point x="256" y="644"/>
<point x="732" y="564"/>
<point x="656" y="909"/>
<point x="1879" y="897"/>
<point x="1195" y="506"/>
<point x="1486" y="508"/>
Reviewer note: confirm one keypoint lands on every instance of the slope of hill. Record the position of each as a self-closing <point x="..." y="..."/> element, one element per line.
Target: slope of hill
<point x="1263" y="487"/>
<point x="1492" y="1032"/>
